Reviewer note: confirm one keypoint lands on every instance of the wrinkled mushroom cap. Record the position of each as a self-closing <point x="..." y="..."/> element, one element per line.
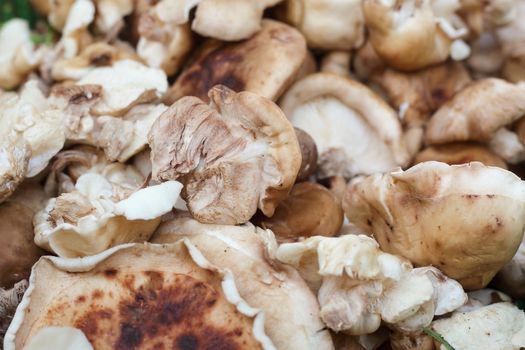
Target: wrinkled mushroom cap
<point x="328" y="24"/>
<point x="235" y="155"/>
<point x="139" y="294"/>
<point x="355" y="131"/>
<point x="309" y="210"/>
<point x="291" y="310"/>
<point x="460" y="153"/>
<point x="467" y="220"/>
<point x="264" y="64"/>
<point x="496" y="326"/>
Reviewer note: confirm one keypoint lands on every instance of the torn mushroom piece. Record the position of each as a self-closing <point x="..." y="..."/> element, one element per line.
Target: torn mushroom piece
<point x="17" y="53"/>
<point x="496" y="326"/>
<point x="75" y="34"/>
<point x="360" y="286"/>
<point x="126" y="297"/>
<point x="460" y="153"/>
<point x="228" y="20"/>
<point x="124" y="85"/>
<point x="414" y="34"/>
<point x="99" y="214"/>
<point x="265" y="64"/>
<point x="327" y="24"/>
<point x="32" y="132"/>
<point x="110" y="15"/>
<point x="355" y="131"/>
<point x="290" y="308"/>
<point x="466" y="118"/>
<point x="235" y="155"/>
<point x="467" y="220"/>
<point x="163" y="43"/>
<point x="309" y="210"/>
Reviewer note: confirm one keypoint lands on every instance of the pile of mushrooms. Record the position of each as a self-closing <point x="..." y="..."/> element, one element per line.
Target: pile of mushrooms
<point x="264" y="174"/>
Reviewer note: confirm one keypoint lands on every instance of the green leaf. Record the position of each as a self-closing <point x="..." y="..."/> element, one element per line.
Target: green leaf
<point x="438" y="337"/>
<point x="10" y="9"/>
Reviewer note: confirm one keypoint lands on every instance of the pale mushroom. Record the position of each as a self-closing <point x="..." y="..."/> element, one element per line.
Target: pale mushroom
<point x="511" y="38"/>
<point x="511" y="278"/>
<point x="75" y="34"/>
<point x="265" y="64"/>
<point x="327" y="24"/>
<point x="496" y="326"/>
<point x="235" y="155"/>
<point x="483" y="297"/>
<point x="100" y="213"/>
<point x="9" y="300"/>
<point x="32" y="133"/>
<point x="487" y="57"/>
<point x="337" y="62"/>
<point x="309" y="210"/>
<point x="414" y="34"/>
<point x="17" y="53"/>
<point x="63" y="338"/>
<point x="467" y="220"/>
<point x="466" y="118"/>
<point x="291" y="311"/>
<point x="163" y="43"/>
<point x="355" y="131"/>
<point x="124" y="85"/>
<point x="366" y="63"/>
<point x="111" y="13"/>
<point x="139" y="294"/>
<point x="460" y="153"/>
<point x="484" y="16"/>
<point x="359" y="285"/>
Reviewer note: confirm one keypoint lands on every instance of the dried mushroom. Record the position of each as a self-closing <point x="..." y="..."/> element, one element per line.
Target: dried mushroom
<point x="359" y="285"/>
<point x="265" y="64"/>
<point x="308" y="155"/>
<point x="467" y="220"/>
<point x="9" y="300"/>
<point x="17" y="54"/>
<point x="235" y="155"/>
<point x="511" y="39"/>
<point x="163" y="43"/>
<point x="75" y="34"/>
<point x="328" y="24"/>
<point x="111" y="13"/>
<point x="414" y="34"/>
<point x="32" y="133"/>
<point x="496" y="326"/>
<point x="459" y="153"/>
<point x="309" y="210"/>
<point x="355" y="131"/>
<point x="481" y="112"/>
<point x="290" y="308"/>
<point x="139" y="294"/>
<point x="100" y="213"/>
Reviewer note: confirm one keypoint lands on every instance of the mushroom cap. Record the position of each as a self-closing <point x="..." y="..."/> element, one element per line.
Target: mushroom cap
<point x="309" y="154"/>
<point x="477" y="112"/>
<point x="460" y="153"/>
<point x="265" y="64"/>
<point x="64" y="338"/>
<point x="9" y="300"/>
<point x="338" y="113"/>
<point x="291" y="310"/>
<point x="511" y="276"/>
<point x="138" y="294"/>
<point x="235" y="155"/>
<point x="309" y="210"/>
<point x="328" y="24"/>
<point x="496" y="326"/>
<point x="405" y="33"/>
<point x="467" y="220"/>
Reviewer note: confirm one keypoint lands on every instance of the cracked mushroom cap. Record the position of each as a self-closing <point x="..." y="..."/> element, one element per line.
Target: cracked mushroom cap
<point x="99" y="214"/>
<point x="265" y="64"/>
<point x="235" y="155"/>
<point x="414" y="34"/>
<point x="309" y="210"/>
<point x="124" y="85"/>
<point x="138" y="294"/>
<point x="460" y="153"/>
<point x="481" y="112"/>
<point x="359" y="285"/>
<point x="290" y="308"/>
<point x="328" y="24"/>
<point x="496" y="326"/>
<point x="467" y="220"/>
<point x="355" y="131"/>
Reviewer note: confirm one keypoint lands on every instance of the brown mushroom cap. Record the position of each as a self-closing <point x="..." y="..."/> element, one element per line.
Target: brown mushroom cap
<point x="467" y="220"/>
<point x="308" y="155"/>
<point x="459" y="153"/>
<point x="133" y="295"/>
<point x="265" y="64"/>
<point x="477" y="112"/>
<point x="309" y="210"/>
<point x="235" y="155"/>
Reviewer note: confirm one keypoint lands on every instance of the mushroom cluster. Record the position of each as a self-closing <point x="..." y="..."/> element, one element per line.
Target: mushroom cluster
<point x="262" y="174"/>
